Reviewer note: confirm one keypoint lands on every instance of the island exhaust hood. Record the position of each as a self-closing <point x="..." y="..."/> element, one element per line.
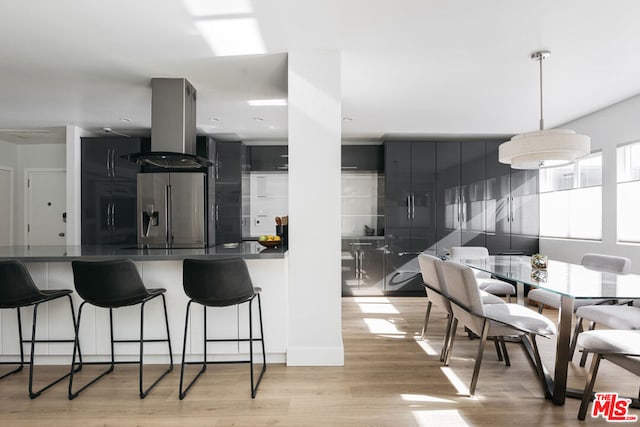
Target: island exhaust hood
<point x="173" y="127"/>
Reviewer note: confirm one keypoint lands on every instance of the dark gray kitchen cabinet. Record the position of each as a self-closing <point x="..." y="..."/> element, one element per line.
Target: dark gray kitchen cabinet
<point x="410" y="216"/>
<point x="365" y="158"/>
<point x="460" y="199"/>
<point x="362" y="266"/>
<point x="265" y="158"/>
<point x="108" y="190"/>
<point x="512" y="206"/>
<point x="224" y="188"/>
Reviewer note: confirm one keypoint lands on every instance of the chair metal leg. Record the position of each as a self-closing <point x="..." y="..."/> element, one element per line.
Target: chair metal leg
<point x="183" y="392"/>
<point x="585" y="354"/>
<point x="574" y="338"/>
<point x="447" y="336"/>
<point x="452" y="337"/>
<point x="144" y="393"/>
<point x="505" y="353"/>
<point x="426" y="320"/>
<point x="34" y="394"/>
<point x="21" y="365"/>
<point x="72" y="394"/>
<point x="588" y="388"/>
<point x="476" y="368"/>
<point x="496" y="343"/>
<point x="540" y="308"/>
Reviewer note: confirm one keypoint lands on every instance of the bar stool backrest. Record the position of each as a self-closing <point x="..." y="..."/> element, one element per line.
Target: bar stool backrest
<point x="105" y="283"/>
<point x="16" y="284"/>
<point x="218" y="282"/>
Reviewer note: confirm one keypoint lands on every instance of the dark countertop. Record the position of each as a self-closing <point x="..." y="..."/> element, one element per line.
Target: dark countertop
<point x="362" y="237"/>
<point x="247" y="250"/>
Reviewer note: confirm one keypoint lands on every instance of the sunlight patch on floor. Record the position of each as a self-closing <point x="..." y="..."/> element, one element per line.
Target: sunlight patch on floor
<point x="455" y="381"/>
<point x="441" y="418"/>
<point x="382" y="326"/>
<point x="424" y="398"/>
<point x="426" y="347"/>
<point x="376" y="300"/>
<point x="378" y="308"/>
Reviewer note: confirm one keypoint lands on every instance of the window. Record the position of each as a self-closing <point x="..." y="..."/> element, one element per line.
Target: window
<point x="628" y="192"/>
<point x="571" y="199"/>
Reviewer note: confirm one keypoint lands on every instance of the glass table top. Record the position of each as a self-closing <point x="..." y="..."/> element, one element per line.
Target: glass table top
<point x="560" y="277"/>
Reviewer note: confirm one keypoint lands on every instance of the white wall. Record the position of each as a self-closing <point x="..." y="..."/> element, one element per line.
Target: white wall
<point x="315" y="324"/>
<point x="608" y="128"/>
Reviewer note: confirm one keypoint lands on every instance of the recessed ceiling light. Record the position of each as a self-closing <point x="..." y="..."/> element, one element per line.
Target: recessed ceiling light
<point x="267" y="102"/>
<point x="214" y="119"/>
<point x="258" y="119"/>
<point x="125" y="119"/>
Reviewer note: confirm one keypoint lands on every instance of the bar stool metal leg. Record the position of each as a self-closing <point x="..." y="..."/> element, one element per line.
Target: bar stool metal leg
<point x="144" y="393"/>
<point x="183" y="392"/>
<point x="34" y="394"/>
<point x="20" y="340"/>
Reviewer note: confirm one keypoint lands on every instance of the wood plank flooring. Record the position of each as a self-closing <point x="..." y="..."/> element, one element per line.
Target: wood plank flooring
<point x="390" y="378"/>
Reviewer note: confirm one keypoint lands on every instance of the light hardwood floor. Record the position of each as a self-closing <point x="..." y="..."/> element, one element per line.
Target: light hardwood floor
<point x="390" y="378"/>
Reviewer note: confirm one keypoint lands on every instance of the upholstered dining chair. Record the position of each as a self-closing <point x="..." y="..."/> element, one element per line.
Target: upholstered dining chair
<point x="620" y="347"/>
<point x="492" y="320"/>
<point x="437" y="294"/>
<point x="598" y="262"/>
<point x="484" y="279"/>
<point x="625" y="317"/>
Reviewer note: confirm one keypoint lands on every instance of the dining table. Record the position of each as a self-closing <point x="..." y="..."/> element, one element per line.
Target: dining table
<point x="571" y="282"/>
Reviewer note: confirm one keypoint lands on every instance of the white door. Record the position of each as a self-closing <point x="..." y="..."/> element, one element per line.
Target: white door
<point x="46" y="207"/>
<point x="6" y="206"/>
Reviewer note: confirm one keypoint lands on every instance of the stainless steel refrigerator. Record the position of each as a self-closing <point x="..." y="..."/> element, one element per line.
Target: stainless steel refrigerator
<point x="171" y="210"/>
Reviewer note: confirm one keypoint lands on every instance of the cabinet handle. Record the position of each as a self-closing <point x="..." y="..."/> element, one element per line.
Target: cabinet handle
<point x="349" y="167"/>
<point x="217" y="167"/>
<point x="113" y="162"/>
<point x="413" y="206"/>
<point x="409" y="207"/>
<point x="109" y="216"/>
<point x="361" y="264"/>
<point x="357" y="270"/>
<point x="361" y="244"/>
<point x="167" y="213"/>
<point x="108" y="156"/>
<point x="113" y="216"/>
<point x="216" y="213"/>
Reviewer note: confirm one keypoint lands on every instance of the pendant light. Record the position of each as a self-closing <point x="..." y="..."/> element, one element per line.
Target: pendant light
<point x="543" y="148"/>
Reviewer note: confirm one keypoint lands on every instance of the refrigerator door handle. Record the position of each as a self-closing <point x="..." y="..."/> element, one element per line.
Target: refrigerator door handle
<point x="167" y="213"/>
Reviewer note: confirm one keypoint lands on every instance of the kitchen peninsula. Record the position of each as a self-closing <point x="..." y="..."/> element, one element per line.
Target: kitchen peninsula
<point x="50" y="267"/>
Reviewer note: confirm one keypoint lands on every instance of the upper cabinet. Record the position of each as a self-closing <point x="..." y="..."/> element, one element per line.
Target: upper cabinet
<point x="102" y="158"/>
<point x="265" y="158"/>
<point x="108" y="188"/>
<point x="369" y="158"/>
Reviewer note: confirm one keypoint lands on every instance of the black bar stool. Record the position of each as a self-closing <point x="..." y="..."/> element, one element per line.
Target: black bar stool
<point x="220" y="283"/>
<point x="17" y="290"/>
<point x="114" y="284"/>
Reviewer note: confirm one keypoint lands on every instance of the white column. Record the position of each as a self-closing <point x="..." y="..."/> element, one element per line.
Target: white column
<point x="315" y="323"/>
<point x="73" y="185"/>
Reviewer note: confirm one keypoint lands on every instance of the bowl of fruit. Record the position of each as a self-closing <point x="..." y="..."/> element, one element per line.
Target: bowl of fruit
<point x="269" y="241"/>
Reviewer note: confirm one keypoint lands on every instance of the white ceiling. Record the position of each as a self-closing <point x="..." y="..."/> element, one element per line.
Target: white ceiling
<point x="409" y="67"/>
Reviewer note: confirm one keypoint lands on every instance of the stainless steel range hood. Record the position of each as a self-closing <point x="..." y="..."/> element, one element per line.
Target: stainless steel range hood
<point x="173" y="126"/>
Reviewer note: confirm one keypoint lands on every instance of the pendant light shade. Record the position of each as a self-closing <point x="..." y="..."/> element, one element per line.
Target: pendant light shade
<point x="543" y="148"/>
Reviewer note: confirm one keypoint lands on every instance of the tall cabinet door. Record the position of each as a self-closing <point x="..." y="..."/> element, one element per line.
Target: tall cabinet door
<point x="398" y="195"/>
<point x="498" y="202"/>
<point x="423" y="196"/>
<point x="525" y="211"/>
<point x="472" y="191"/>
<point x="448" y="196"/>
